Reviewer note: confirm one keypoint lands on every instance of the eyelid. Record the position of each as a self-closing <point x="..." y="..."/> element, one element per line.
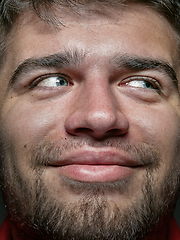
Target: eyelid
<point x="37" y="80"/>
<point x="155" y="82"/>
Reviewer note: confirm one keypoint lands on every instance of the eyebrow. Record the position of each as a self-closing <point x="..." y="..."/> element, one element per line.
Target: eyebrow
<point x="60" y="60"/>
<point x="73" y="58"/>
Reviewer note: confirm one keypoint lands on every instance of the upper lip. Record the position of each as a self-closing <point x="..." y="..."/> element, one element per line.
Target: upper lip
<point x="97" y="157"/>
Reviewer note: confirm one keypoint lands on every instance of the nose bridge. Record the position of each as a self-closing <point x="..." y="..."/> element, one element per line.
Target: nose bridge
<point x="100" y="101"/>
<point x="99" y="112"/>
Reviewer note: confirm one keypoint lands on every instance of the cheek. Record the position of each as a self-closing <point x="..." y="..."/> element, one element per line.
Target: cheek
<point x="27" y="123"/>
<point x="154" y="124"/>
<point x="158" y="126"/>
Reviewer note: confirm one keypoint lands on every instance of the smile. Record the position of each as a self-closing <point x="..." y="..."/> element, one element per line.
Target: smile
<point x="96" y="166"/>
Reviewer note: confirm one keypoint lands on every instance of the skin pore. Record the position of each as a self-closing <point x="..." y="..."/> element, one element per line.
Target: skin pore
<point x="90" y="125"/>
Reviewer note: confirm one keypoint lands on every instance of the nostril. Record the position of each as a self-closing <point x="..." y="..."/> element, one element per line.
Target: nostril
<point x="83" y="130"/>
<point x="97" y="133"/>
<point x="80" y="131"/>
<point x="115" y="132"/>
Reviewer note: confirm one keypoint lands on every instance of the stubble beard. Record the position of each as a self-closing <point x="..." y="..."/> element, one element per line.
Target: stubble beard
<point x="41" y="216"/>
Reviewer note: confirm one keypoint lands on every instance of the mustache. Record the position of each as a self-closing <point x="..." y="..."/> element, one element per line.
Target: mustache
<point x="46" y="152"/>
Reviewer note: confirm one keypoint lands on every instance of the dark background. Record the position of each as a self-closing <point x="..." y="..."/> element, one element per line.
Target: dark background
<point x="3" y="211"/>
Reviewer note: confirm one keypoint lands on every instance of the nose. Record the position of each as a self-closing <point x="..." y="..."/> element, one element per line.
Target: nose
<point x="96" y="113"/>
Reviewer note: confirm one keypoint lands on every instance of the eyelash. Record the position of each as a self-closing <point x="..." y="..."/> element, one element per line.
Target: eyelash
<point x="154" y="82"/>
<point x="36" y="81"/>
<point x="156" y="85"/>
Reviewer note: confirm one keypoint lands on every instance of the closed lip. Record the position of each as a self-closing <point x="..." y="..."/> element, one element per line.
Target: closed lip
<point x="96" y="165"/>
<point x="92" y="156"/>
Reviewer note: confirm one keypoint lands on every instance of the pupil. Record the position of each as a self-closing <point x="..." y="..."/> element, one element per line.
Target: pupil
<point x="149" y="85"/>
<point x="62" y="82"/>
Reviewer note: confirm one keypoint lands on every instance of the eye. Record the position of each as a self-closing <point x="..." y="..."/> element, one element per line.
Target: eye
<point x="142" y="82"/>
<point x="52" y="81"/>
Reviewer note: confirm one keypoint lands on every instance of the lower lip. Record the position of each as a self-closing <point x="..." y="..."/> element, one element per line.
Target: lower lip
<point x="96" y="173"/>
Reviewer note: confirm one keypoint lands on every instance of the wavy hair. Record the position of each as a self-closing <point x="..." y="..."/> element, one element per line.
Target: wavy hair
<point x="11" y="9"/>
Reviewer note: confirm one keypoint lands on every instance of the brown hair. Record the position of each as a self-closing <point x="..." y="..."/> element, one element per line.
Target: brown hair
<point x="11" y="9"/>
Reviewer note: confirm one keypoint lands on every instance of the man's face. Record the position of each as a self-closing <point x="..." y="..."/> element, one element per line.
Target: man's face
<point x="90" y="123"/>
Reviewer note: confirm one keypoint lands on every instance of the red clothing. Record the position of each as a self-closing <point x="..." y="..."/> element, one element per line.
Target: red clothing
<point x="5" y="232"/>
<point x="173" y="231"/>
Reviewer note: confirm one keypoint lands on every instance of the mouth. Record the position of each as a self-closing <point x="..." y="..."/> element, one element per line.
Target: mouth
<point x="95" y="165"/>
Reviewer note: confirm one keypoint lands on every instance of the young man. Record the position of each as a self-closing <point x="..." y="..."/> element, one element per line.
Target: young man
<point x="90" y="119"/>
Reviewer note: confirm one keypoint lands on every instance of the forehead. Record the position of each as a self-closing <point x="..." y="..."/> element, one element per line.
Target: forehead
<point x="132" y="30"/>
